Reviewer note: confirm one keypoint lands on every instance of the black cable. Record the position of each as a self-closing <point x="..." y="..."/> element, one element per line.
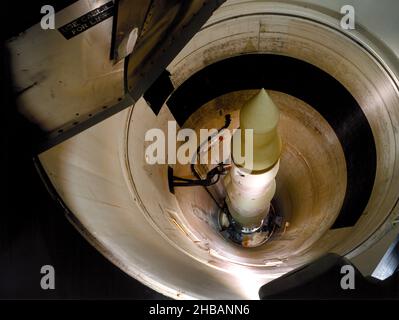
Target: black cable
<point x="227" y="122"/>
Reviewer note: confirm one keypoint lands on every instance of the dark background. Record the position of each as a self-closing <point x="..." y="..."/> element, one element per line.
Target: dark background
<point x="33" y="228"/>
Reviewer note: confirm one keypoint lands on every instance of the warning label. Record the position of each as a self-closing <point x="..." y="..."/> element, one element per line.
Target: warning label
<point x="87" y="21"/>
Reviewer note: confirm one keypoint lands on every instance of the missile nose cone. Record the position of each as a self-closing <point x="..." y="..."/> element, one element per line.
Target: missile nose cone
<point x="259" y="113"/>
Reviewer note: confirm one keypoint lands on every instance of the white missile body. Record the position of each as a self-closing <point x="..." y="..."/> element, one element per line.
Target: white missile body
<point x="250" y="187"/>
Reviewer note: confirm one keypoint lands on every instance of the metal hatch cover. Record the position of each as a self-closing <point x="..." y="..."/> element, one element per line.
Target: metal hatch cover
<point x="162" y="27"/>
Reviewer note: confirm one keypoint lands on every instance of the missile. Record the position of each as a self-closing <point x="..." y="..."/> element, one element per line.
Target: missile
<point x="250" y="187"/>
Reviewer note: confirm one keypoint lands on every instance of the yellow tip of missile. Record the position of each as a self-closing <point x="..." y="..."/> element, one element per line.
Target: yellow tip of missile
<point x="259" y="113"/>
